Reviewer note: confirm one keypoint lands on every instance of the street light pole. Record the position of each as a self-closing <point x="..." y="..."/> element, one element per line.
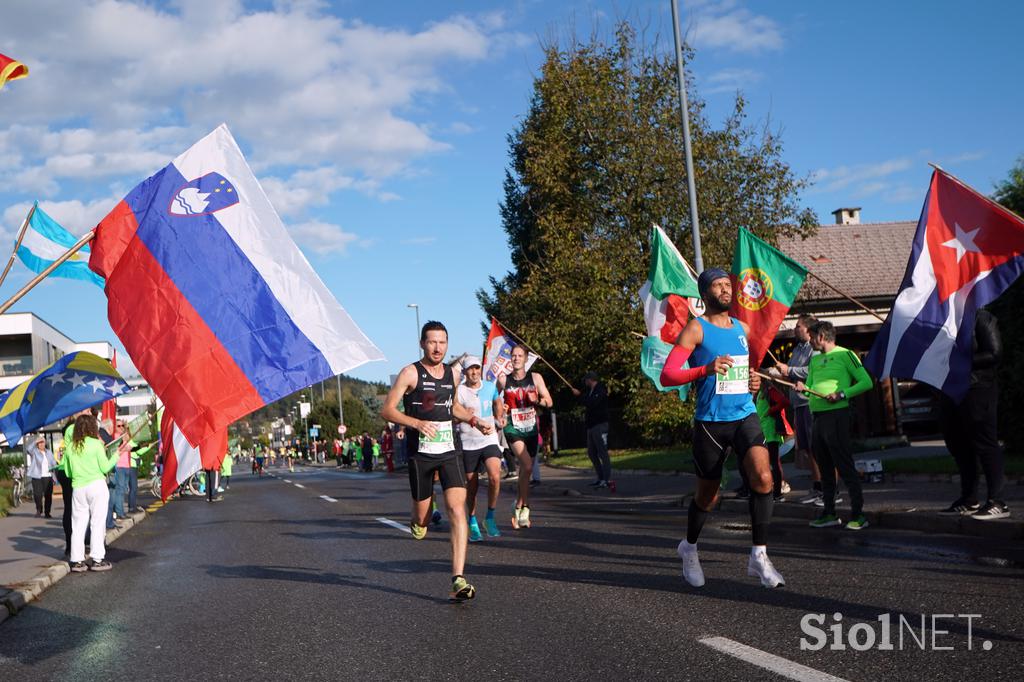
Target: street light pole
<point x="691" y="185"/>
<point x="417" y="307"/>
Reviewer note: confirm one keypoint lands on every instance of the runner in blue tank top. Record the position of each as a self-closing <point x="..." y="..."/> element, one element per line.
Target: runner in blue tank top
<point x="715" y="346"/>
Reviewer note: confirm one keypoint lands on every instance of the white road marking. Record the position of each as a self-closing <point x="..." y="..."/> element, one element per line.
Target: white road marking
<point x="298" y="485"/>
<point x="286" y="480"/>
<point x="394" y="524"/>
<point x="762" y="659"/>
<point x="328" y="498"/>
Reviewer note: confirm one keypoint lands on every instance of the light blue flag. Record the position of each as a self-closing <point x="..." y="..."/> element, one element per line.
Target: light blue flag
<point x="45" y="241"/>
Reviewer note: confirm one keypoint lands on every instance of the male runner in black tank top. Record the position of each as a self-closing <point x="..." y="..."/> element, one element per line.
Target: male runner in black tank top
<point x="427" y="389"/>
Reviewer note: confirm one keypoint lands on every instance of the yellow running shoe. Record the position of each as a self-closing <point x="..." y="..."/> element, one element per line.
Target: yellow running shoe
<point x="418" y="532"/>
<point x="461" y="590"/>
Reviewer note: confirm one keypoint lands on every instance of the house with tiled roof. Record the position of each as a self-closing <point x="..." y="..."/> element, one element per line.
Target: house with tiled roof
<point x="865" y="262"/>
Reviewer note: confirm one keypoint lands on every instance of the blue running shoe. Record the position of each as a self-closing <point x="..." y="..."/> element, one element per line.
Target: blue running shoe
<point x="492" y="527"/>
<point x="474" y="530"/>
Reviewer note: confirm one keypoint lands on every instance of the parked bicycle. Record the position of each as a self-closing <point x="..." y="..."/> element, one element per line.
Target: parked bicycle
<point x="20" y="487"/>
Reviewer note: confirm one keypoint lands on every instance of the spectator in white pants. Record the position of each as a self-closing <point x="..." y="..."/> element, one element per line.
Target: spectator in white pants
<point x="88" y="465"/>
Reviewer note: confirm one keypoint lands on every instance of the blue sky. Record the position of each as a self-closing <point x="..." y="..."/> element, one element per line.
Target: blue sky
<point x="379" y="128"/>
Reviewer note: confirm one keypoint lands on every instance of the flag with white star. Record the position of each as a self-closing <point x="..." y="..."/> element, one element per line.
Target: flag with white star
<point x="967" y="251"/>
<point x="73" y="383"/>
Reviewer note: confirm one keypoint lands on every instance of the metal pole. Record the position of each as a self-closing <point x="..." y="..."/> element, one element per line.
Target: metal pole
<point x="691" y="186"/>
<point x="416" y="306"/>
<point x="17" y="243"/>
<point x="341" y="408"/>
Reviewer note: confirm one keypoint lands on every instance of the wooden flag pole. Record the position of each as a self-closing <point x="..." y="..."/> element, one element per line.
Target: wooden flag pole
<point x="786" y="383"/>
<point x="86" y="238"/>
<point x="849" y="298"/>
<point x="17" y="244"/>
<point x="974" y="191"/>
<point x="525" y="345"/>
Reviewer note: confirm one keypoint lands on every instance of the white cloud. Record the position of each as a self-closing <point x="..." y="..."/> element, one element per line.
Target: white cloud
<point x="863" y="176"/>
<point x="725" y="25"/>
<point x="731" y="80"/>
<point x="75" y="216"/>
<point x="120" y="87"/>
<point x="419" y="241"/>
<point x="322" y="238"/>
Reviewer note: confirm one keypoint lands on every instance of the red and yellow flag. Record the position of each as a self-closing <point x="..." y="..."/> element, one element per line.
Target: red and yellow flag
<point x="11" y="70"/>
<point x="765" y="282"/>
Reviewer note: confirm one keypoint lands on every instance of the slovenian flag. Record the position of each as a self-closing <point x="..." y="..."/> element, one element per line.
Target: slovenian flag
<point x="11" y="70"/>
<point x="669" y="297"/>
<point x="181" y="459"/>
<point x="215" y="304"/>
<point x="45" y="241"/>
<point x="967" y="251"/>
<point x="73" y="383"/>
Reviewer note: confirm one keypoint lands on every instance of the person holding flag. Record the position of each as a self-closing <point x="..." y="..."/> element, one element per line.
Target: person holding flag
<point x="522" y="392"/>
<point x="716" y="346"/>
<point x="837" y="374"/>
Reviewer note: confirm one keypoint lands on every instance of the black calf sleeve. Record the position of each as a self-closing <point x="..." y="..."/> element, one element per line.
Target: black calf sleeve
<point x="760" y="516"/>
<point x="695" y="519"/>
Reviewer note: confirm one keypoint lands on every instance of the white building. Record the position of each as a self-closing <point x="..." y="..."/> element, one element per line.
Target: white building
<point x="28" y="344"/>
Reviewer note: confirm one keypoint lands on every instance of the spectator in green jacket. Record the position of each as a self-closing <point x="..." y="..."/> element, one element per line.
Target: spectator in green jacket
<point x="838" y="375"/>
<point x="87" y="464"/>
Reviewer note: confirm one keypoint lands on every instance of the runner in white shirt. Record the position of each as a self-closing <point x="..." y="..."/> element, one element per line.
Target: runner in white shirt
<point x="480" y="451"/>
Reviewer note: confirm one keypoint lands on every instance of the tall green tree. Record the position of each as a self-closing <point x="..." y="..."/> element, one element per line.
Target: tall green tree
<point x="596" y="161"/>
<point x="1007" y="309"/>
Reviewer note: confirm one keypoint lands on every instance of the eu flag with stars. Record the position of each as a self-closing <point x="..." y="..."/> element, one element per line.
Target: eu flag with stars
<point x="73" y="383"/>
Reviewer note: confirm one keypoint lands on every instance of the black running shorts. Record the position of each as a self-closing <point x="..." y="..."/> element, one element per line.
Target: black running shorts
<point x="530" y="441"/>
<point x="422" y="470"/>
<point x="712" y="440"/>
<point x="473" y="460"/>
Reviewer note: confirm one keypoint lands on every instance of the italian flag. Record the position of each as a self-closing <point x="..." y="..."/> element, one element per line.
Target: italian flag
<point x="765" y="282"/>
<point x="666" y="306"/>
<point x="669" y="283"/>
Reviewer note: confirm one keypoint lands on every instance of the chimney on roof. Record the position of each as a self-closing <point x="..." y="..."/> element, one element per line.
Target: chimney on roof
<point x="847" y="216"/>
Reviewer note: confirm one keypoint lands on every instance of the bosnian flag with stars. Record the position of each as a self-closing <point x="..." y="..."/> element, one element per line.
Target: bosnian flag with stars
<point x="967" y="251"/>
<point x="73" y="383"/>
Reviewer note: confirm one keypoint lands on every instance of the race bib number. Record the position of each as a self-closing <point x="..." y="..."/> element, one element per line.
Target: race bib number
<point x="524" y="418"/>
<point x="442" y="442"/>
<point x="737" y="379"/>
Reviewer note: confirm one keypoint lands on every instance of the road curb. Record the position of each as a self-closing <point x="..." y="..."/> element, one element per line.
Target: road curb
<point x="30" y="590"/>
<point x="921" y="521"/>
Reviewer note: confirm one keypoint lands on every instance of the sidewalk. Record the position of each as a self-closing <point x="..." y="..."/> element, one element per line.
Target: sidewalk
<point x="32" y="551"/>
<point x="905" y="501"/>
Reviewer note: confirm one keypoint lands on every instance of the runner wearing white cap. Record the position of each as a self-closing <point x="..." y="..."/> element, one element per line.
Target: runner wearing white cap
<point x="480" y="451"/>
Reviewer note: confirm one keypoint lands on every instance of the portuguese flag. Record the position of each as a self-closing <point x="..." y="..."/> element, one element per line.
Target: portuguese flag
<point x="765" y="282"/>
<point x="10" y="70"/>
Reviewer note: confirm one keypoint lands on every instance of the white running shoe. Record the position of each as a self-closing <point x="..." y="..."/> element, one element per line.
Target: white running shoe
<point x="692" y="572"/>
<point x="760" y="566"/>
<point x="524" y="517"/>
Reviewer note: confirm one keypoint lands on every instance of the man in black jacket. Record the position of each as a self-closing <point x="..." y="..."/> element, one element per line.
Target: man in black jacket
<point x="595" y="400"/>
<point x="969" y="428"/>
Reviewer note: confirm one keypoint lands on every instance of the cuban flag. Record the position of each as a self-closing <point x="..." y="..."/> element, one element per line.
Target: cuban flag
<point x="215" y="304"/>
<point x="181" y="459"/>
<point x="967" y="251"/>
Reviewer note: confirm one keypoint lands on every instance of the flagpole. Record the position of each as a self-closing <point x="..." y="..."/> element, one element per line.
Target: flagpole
<point x="786" y="383"/>
<point x="86" y="238"/>
<point x="17" y="244"/>
<point x="691" y="186"/>
<point x="849" y="298"/>
<point x="972" y="190"/>
<point x="539" y="356"/>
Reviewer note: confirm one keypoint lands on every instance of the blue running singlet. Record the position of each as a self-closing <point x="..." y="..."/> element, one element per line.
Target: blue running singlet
<point x="723" y="398"/>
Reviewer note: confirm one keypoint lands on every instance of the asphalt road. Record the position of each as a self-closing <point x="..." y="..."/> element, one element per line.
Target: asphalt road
<point x="280" y="582"/>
